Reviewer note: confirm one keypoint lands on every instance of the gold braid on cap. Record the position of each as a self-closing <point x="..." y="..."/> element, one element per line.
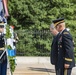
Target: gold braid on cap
<point x="58" y="23"/>
<point x="2" y="23"/>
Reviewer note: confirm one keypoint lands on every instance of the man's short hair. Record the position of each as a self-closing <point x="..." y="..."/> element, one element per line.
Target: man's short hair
<point x="52" y="26"/>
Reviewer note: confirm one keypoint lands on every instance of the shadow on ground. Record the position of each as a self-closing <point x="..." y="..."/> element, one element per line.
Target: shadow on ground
<point x="41" y="69"/>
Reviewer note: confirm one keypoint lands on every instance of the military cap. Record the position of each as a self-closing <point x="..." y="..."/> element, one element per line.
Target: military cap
<point x="2" y="25"/>
<point x="58" y="21"/>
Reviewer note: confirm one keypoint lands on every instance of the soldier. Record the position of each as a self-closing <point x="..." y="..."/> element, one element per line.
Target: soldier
<point x="54" y="48"/>
<point x="65" y="61"/>
<point x="3" y="56"/>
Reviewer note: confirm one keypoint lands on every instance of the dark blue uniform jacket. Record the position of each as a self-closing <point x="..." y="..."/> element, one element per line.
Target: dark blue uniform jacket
<point x="65" y="50"/>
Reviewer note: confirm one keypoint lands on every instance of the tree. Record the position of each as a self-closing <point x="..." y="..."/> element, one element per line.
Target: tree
<point x="37" y="15"/>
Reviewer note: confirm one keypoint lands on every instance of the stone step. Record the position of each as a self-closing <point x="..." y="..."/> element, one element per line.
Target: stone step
<point x="29" y="74"/>
<point x="26" y="71"/>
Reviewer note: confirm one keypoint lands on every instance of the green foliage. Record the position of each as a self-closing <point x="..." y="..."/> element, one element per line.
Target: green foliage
<point x="8" y="34"/>
<point x="28" y="14"/>
<point x="12" y="63"/>
<point x="11" y="58"/>
<point x="37" y="15"/>
<point x="34" y="43"/>
<point x="9" y="47"/>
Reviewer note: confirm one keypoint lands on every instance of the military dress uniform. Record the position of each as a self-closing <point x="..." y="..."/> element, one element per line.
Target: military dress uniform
<point x="65" y="53"/>
<point x="65" y="50"/>
<point x="3" y="59"/>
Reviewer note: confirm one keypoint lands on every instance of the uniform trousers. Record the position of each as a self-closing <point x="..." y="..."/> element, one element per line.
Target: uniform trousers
<point x="3" y="64"/>
<point x="63" y="71"/>
<point x="3" y="68"/>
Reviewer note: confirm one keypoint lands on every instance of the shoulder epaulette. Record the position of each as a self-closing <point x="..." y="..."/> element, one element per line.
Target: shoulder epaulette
<point x="65" y="33"/>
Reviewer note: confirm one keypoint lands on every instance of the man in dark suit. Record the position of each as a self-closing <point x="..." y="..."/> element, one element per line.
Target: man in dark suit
<point x="54" y="48"/>
<point x="65" y="61"/>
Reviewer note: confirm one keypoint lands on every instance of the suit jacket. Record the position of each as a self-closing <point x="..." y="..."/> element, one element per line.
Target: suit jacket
<point x="54" y="50"/>
<point x="65" y="50"/>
